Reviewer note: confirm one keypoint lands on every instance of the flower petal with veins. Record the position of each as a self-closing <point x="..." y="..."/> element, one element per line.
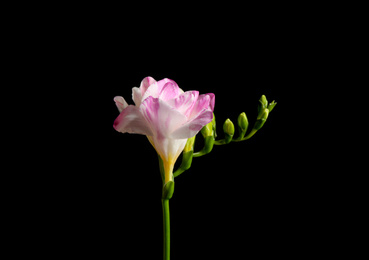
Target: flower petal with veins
<point x="132" y="121"/>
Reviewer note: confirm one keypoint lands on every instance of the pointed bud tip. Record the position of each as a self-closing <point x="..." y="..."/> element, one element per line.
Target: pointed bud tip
<point x="207" y="130"/>
<point x="263" y="100"/>
<point x="228" y="127"/>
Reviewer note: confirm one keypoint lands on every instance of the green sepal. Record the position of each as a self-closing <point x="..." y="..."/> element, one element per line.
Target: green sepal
<point x="271" y="106"/>
<point x="168" y="190"/>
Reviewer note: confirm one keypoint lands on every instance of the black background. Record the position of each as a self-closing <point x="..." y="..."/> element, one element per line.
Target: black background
<point x="261" y="197"/>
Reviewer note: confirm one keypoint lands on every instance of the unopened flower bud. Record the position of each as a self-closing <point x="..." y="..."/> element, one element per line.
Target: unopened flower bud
<point x="207" y="130"/>
<point x="263" y="104"/>
<point x="228" y="129"/>
<point x="243" y="124"/>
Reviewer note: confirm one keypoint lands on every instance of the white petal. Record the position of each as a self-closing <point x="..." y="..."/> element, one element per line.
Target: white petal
<point x="169" y="149"/>
<point x="152" y="91"/>
<point x="120" y="103"/>
<point x="136" y="96"/>
<point x="163" y="118"/>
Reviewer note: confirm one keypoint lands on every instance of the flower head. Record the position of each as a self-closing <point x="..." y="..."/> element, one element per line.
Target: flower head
<point x="167" y="115"/>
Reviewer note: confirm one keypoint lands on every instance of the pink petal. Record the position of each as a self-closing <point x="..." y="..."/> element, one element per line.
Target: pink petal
<point x="203" y="102"/>
<point x="212" y="100"/>
<point x="120" y="103"/>
<point x="192" y="127"/>
<point x="169" y="91"/>
<point x="145" y="84"/>
<point x="155" y="89"/>
<point x="132" y="121"/>
<point x="162" y="117"/>
<point x="163" y="82"/>
<point x="201" y="115"/>
<point x="185" y="102"/>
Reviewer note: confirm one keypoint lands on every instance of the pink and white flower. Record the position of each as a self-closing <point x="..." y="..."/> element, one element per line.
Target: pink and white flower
<point x="167" y="115"/>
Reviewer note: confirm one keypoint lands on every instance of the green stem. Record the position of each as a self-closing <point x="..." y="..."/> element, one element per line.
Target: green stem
<point x="198" y="154"/>
<point x="253" y="131"/>
<point x="220" y="142"/>
<point x="166" y="229"/>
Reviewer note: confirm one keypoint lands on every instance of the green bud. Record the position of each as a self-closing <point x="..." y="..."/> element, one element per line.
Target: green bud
<point x="263" y="104"/>
<point x="261" y="119"/>
<point x="243" y="124"/>
<point x="228" y="129"/>
<point x="271" y="106"/>
<point x="209" y="143"/>
<point x="207" y="130"/>
<point x="168" y="190"/>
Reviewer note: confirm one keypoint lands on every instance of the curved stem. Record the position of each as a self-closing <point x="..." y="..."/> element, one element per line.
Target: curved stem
<point x="198" y="154"/>
<point x="253" y="131"/>
<point x="166" y="229"/>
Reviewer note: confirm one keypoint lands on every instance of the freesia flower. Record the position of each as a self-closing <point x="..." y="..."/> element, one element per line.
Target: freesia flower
<point x="167" y="115"/>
